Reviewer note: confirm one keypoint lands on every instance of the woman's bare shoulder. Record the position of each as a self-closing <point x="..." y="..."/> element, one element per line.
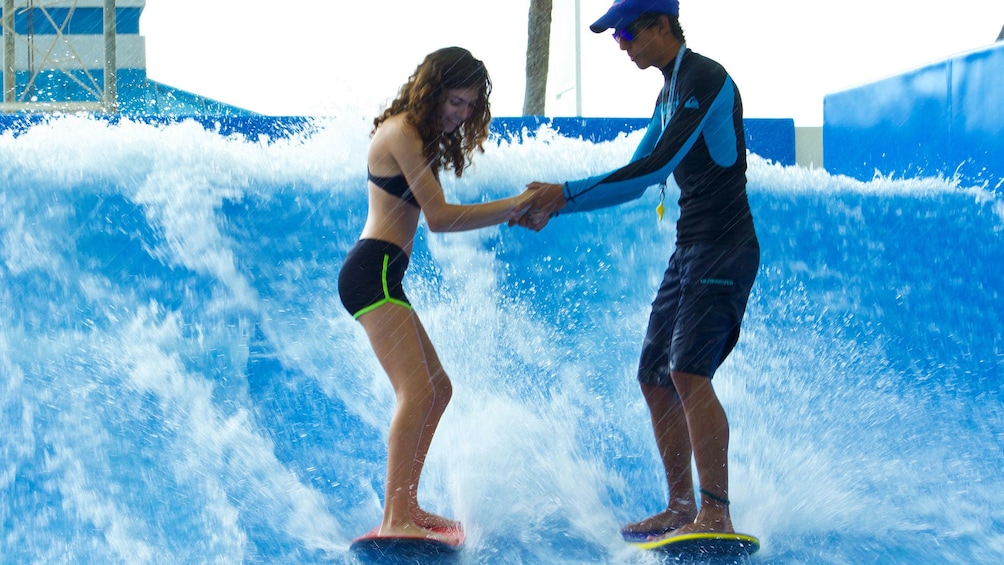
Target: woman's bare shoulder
<point x="395" y="141"/>
<point x="396" y="134"/>
<point x="396" y="127"/>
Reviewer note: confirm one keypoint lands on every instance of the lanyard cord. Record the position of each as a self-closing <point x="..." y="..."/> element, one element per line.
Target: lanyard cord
<point x="668" y="96"/>
<point x="667" y="107"/>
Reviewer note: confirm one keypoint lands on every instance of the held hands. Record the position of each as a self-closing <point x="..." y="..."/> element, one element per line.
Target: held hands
<point x="522" y="205"/>
<point x="543" y="200"/>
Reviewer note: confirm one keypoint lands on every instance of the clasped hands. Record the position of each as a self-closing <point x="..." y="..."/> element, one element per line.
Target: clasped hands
<point x="542" y="200"/>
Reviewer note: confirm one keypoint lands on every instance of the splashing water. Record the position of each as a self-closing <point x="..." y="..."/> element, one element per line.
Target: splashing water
<point x="179" y="382"/>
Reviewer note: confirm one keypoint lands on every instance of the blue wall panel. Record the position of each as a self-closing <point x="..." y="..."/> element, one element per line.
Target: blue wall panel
<point x="772" y="139"/>
<point x="943" y="119"/>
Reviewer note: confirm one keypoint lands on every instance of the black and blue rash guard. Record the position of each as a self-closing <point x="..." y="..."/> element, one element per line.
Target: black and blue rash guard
<point x="703" y="145"/>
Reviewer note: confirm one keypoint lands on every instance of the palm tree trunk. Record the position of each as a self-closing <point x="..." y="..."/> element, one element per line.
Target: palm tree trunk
<point x="538" y="49"/>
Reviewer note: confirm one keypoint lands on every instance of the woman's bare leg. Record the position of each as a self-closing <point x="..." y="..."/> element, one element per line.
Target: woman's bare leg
<point x="443" y="391"/>
<point x="397" y="339"/>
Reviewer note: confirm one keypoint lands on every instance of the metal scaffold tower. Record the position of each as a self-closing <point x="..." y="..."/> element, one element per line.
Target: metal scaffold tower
<point x="39" y="47"/>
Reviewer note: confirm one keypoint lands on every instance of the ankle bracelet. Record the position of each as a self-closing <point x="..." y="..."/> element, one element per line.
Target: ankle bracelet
<point x="715" y="497"/>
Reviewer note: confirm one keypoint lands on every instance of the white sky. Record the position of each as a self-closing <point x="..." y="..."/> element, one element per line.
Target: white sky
<point x="331" y="57"/>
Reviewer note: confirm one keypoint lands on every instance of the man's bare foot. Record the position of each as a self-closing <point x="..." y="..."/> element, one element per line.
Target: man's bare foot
<point x="708" y="520"/>
<point x="659" y="524"/>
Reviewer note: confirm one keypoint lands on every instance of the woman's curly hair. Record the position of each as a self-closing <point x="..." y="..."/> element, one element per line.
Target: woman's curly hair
<point x="425" y="92"/>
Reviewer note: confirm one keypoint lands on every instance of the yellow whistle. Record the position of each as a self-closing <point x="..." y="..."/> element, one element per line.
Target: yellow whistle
<point x="660" y="209"/>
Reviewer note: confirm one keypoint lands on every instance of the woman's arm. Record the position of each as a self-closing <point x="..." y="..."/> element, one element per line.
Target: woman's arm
<point x="406" y="148"/>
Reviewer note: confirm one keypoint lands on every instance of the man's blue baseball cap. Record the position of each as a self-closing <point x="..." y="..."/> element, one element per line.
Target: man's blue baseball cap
<point x="623" y="12"/>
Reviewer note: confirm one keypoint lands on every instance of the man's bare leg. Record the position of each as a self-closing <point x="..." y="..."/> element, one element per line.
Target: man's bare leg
<point x="673" y="441"/>
<point x="709" y="438"/>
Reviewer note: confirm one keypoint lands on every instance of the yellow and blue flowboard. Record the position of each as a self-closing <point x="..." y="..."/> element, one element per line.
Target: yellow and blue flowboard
<point x="703" y="544"/>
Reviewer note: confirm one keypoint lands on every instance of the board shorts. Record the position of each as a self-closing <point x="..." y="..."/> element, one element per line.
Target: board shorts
<point x="696" y="314"/>
<point x="371" y="276"/>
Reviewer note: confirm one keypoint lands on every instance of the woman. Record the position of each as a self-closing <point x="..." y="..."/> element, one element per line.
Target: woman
<point x="438" y="119"/>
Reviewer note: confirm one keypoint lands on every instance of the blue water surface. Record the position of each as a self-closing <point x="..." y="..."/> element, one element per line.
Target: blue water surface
<point x="180" y="384"/>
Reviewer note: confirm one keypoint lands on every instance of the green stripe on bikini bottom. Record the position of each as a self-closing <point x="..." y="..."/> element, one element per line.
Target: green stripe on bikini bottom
<point x="386" y="294"/>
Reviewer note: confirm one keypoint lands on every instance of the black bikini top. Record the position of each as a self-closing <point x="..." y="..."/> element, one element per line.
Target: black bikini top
<point x="395" y="186"/>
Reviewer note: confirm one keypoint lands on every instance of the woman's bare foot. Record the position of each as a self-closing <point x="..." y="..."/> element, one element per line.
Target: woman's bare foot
<point x="435" y="522"/>
<point x="415" y="531"/>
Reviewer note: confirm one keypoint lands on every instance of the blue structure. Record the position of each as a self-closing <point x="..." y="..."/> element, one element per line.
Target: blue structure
<point x="45" y="30"/>
<point x="946" y="119"/>
<point x="83" y="20"/>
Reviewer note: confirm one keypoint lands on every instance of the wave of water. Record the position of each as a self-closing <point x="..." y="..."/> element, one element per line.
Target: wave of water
<point x="179" y="382"/>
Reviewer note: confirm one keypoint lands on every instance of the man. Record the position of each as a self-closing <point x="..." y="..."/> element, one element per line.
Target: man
<point x="696" y="134"/>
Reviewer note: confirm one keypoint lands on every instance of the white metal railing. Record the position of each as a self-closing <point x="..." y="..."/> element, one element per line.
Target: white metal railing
<point x="56" y="54"/>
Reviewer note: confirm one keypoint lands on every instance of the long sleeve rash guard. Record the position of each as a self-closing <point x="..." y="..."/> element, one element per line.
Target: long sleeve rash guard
<point x="703" y="145"/>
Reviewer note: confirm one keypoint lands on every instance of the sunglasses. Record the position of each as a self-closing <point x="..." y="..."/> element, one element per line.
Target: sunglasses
<point x="630" y="32"/>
